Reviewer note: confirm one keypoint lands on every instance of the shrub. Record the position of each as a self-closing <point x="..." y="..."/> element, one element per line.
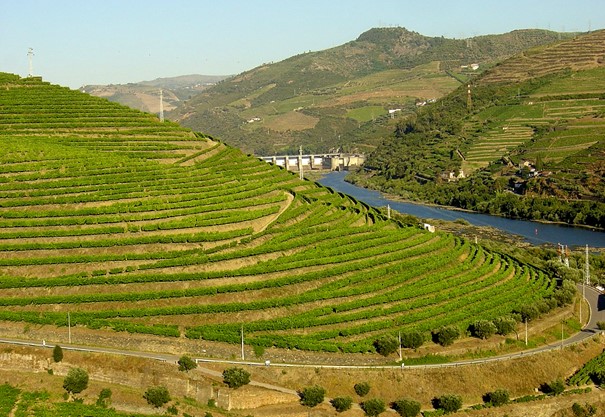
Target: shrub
<point x="362" y="388"/>
<point x="157" y="396"/>
<point x="555" y="387"/>
<point x="373" y="407"/>
<point x="583" y="411"/>
<point x="236" y="377"/>
<point x="505" y="325"/>
<point x="497" y="398"/>
<point x="483" y="329"/>
<point x="406" y="408"/>
<point x="601" y="325"/>
<point x="386" y="345"/>
<point x="528" y="312"/>
<point x="598" y="376"/>
<point x="341" y="404"/>
<point x="446" y="335"/>
<point x="104" y="399"/>
<point x="312" y="396"/>
<point x="172" y="410"/>
<point x="449" y="403"/>
<point x="57" y="353"/>
<point x="412" y="339"/>
<point x="76" y="381"/>
<point x="186" y="363"/>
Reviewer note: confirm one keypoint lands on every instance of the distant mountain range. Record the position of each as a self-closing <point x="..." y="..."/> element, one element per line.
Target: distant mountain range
<point x="144" y="95"/>
<point x="349" y="96"/>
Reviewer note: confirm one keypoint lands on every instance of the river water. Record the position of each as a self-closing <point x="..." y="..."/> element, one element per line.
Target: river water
<point x="533" y="232"/>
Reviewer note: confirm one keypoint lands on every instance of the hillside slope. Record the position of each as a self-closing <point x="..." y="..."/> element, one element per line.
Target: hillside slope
<point x="341" y="97"/>
<point x="124" y="223"/>
<point x="527" y="141"/>
<point x="145" y="95"/>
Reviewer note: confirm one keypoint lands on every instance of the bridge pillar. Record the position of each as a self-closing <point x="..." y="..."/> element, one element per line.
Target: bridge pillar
<point x="286" y="163"/>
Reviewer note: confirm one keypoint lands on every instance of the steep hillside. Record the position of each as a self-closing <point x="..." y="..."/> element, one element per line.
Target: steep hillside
<point x="532" y="126"/>
<point x="145" y="95"/>
<point x="341" y="97"/>
<point x="123" y="223"/>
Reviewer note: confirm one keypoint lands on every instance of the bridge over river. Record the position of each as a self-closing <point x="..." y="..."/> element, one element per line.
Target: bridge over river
<point x="325" y="161"/>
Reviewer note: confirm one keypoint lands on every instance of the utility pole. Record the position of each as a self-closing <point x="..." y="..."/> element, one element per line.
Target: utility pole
<point x="242" y="333"/>
<point x="300" y="163"/>
<point x="161" y="106"/>
<point x="400" y="355"/>
<point x="469" y="100"/>
<point x="389" y="211"/>
<point x="526" y="331"/>
<point x="30" y="58"/>
<point x="68" y="327"/>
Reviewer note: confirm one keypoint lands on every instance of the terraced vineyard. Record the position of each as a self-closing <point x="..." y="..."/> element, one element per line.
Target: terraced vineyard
<point x="129" y="224"/>
<point x="561" y="118"/>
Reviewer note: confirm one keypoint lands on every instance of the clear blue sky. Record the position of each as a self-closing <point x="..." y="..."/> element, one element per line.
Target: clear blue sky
<point x="79" y="42"/>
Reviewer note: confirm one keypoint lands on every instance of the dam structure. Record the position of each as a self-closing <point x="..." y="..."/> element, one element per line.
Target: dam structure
<point x="326" y="161"/>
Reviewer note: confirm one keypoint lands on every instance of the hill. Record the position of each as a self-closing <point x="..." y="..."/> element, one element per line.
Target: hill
<point x="114" y="221"/>
<point x="341" y="97"/>
<point x="145" y="95"/>
<point x="527" y="141"/>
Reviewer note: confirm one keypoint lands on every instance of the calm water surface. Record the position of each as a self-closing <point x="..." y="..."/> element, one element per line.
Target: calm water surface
<point x="533" y="232"/>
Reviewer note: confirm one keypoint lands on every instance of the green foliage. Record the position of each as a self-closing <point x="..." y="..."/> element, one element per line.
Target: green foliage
<point x="601" y="325"/>
<point x="172" y="410"/>
<point x="598" y="376"/>
<point x="236" y="377"/>
<point x="373" y="407"/>
<point x="312" y="396"/>
<point x="75" y="381"/>
<point x="446" y="335"/>
<point x="497" y="398"/>
<point x="157" y="396"/>
<point x="362" y="388"/>
<point x="385" y="345"/>
<point x="57" y="353"/>
<point x="505" y="325"/>
<point x="449" y="403"/>
<point x="186" y="363"/>
<point x="104" y="399"/>
<point x="341" y="404"/>
<point x="483" y="329"/>
<point x="406" y="407"/>
<point x="412" y="339"/>
<point x="586" y="410"/>
<point x="554" y="388"/>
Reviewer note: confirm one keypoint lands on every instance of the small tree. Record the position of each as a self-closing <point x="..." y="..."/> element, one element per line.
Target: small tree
<point x="157" y="396"/>
<point x="75" y="381"/>
<point x="483" y="329"/>
<point x="57" y="353"/>
<point x="186" y="363"/>
<point x="583" y="411"/>
<point x="412" y="339"/>
<point x="598" y="376"/>
<point x="406" y="408"/>
<point x="312" y="396"/>
<point x="446" y="335"/>
<point x="104" y="399"/>
<point x="362" y="388"/>
<point x="236" y="377"/>
<point x="505" y="325"/>
<point x="341" y="404"/>
<point x="555" y="387"/>
<point x="373" y="407"/>
<point x="497" y="398"/>
<point x="448" y="403"/>
<point x="386" y="345"/>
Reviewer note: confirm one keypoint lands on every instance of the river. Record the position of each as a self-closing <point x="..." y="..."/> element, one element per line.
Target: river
<point x="533" y="232"/>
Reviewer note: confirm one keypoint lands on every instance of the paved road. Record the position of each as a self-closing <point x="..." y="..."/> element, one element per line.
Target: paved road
<point x="595" y="299"/>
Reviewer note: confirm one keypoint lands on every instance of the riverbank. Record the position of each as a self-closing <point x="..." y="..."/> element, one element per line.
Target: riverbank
<point x="534" y="233"/>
